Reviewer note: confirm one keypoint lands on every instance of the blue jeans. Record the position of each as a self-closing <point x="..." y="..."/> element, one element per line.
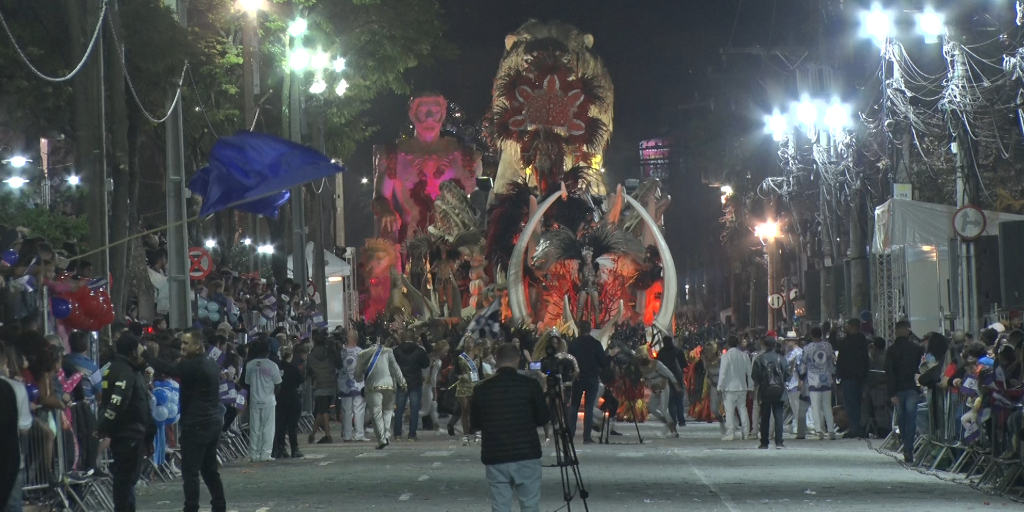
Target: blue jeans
<point x="768" y="410"/>
<point x="853" y="394"/>
<point x="523" y="476"/>
<point x="581" y="389"/>
<point x="906" y="409"/>
<point x="413" y="396"/>
<point x="15" y="501"/>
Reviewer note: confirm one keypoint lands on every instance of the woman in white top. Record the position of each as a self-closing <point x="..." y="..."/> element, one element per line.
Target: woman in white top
<point x="430" y="373"/>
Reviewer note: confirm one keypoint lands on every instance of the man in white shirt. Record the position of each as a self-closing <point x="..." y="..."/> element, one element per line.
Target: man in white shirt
<point x="263" y="378"/>
<point x="734" y="383"/>
<point x="794" y="389"/>
<point x="11" y="471"/>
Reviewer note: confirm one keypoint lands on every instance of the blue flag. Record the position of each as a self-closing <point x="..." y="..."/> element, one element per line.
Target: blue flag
<point x="253" y="171"/>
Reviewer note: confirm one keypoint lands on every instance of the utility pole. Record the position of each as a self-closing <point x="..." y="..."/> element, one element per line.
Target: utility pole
<point x="319" y="243"/>
<point x="966" y="188"/>
<point x="250" y="88"/>
<point x="177" y="229"/>
<point x="295" y="106"/>
<point x="860" y="286"/>
<point x="828" y="292"/>
<point x="771" y="251"/>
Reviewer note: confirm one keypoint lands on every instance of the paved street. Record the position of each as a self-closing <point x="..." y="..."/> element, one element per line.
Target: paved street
<point x="697" y="471"/>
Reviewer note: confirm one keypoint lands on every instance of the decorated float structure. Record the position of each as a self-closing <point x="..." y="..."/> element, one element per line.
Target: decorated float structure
<point x="556" y="245"/>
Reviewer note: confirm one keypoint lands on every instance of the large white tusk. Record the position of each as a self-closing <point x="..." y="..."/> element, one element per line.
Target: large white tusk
<point x="663" y="320"/>
<point x="516" y="292"/>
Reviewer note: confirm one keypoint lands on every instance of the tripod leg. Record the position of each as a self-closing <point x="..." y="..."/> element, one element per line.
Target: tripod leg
<point x="632" y="406"/>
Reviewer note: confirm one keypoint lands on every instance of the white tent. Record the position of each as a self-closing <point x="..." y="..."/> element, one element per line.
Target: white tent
<point x="336" y="267"/>
<point x="340" y="293"/>
<point x="901" y="223"/>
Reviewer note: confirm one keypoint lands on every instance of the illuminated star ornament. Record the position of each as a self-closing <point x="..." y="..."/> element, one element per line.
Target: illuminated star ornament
<point x="549" y="107"/>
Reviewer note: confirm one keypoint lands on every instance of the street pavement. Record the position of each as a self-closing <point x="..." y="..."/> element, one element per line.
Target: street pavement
<point x="698" y="471"/>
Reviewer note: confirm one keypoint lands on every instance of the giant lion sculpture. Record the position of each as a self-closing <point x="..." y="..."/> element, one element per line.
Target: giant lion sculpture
<point x="551" y="106"/>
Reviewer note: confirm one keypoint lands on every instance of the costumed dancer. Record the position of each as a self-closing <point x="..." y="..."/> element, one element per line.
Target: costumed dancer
<point x="379" y="370"/>
<point x="659" y="378"/>
<point x="468" y="366"/>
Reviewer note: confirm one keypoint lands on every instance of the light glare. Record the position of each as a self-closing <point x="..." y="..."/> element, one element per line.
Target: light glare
<point x="210" y="244"/>
<point x="339" y="65"/>
<point x="16" y="182"/>
<point x="931" y="24"/>
<point x="768" y="230"/>
<point x="319" y="86"/>
<point x="18" y="161"/>
<point x="299" y="59"/>
<point x="837" y="116"/>
<point x="775" y="124"/>
<point x="74" y="180"/>
<point x="341" y="88"/>
<point x="877" y="23"/>
<point x="320" y="60"/>
<point x="297" y="27"/>
<point x="806" y="112"/>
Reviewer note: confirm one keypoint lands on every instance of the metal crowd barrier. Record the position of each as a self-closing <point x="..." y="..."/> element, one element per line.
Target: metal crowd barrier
<point x="988" y="461"/>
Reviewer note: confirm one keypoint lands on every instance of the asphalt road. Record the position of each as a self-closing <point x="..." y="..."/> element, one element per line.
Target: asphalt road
<point x="698" y="471"/>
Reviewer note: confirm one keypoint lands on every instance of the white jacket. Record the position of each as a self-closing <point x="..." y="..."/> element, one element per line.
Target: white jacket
<point x="735" y="372"/>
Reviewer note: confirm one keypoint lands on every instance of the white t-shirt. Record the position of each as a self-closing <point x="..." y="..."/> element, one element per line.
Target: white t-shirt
<point x="24" y="413"/>
<point x="262" y="375"/>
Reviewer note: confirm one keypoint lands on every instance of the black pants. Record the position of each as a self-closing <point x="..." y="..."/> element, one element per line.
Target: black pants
<point x="769" y="409"/>
<point x="588" y="387"/>
<point x="199" y="456"/>
<point x="287" y="422"/>
<point x="126" y="469"/>
<point x="229" y="416"/>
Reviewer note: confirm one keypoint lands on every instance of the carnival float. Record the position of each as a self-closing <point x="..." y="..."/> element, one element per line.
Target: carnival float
<point x="556" y="245"/>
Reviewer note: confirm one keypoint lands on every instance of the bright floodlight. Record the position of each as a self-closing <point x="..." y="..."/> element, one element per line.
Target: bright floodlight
<point x="364" y="181"/>
<point x="775" y="124"/>
<point x="837" y="116"/>
<point x="210" y="244"/>
<point x="299" y="59"/>
<point x="877" y="23"/>
<point x="74" y="180"/>
<point x="265" y="249"/>
<point x="16" y="182"/>
<point x="339" y="65"/>
<point x="297" y="27"/>
<point x="319" y="86"/>
<point x="18" y="161"/>
<point x="320" y="60"/>
<point x="806" y="112"/>
<point x="251" y="5"/>
<point x="931" y="25"/>
<point x="727" y="190"/>
<point x="341" y="88"/>
<point x="768" y="230"/>
<point x="247" y="241"/>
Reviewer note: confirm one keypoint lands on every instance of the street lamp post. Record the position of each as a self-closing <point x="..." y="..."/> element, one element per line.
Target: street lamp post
<point x="768" y="231"/>
<point x="250" y="88"/>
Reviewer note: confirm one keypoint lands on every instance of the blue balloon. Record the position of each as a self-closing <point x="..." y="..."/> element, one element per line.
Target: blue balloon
<point x="173" y="384"/>
<point x="160" y="413"/>
<point x="212" y="307"/>
<point x="172" y="399"/>
<point x="214" y="316"/>
<point x="204" y="313"/>
<point x="61" y="307"/>
<point x="10" y="257"/>
<point x="152" y="402"/>
<point x="202" y="303"/>
<point x="33" y="392"/>
<point x="172" y="410"/>
<point x="161" y="395"/>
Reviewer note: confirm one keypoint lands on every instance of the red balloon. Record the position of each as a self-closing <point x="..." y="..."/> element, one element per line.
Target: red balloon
<point x="92" y="305"/>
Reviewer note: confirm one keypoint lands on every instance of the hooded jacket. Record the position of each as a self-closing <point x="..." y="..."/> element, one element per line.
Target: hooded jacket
<point x="200" y="390"/>
<point x="323" y="364"/>
<point x="125" y="413"/>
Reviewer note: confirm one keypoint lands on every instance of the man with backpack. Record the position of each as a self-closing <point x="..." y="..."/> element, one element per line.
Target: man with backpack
<point x="770" y="372"/>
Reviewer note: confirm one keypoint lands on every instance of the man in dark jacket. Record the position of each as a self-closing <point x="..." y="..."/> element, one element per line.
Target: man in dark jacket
<point x="770" y="373"/>
<point x="901" y="363"/>
<point x="289" y="407"/>
<point x="591" y="357"/>
<point x="126" y="419"/>
<point x="852" y="368"/>
<point x="507" y="409"/>
<point x="202" y="417"/>
<point x="323" y="365"/>
<point x="675" y="360"/>
<point x="412" y="359"/>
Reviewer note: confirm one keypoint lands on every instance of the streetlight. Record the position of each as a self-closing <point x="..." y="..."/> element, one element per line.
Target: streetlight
<point x="806" y="112"/>
<point x="210" y="244"/>
<point x="318" y="86"/>
<point x="247" y="241"/>
<point x="931" y="25"/>
<point x="298" y="60"/>
<point x="339" y="65"/>
<point x="251" y="5"/>
<point x="364" y="181"/>
<point x="837" y="116"/>
<point x="17" y="161"/>
<point x="265" y="249"/>
<point x="297" y="27"/>
<point x="74" y="180"/>
<point x="876" y="23"/>
<point x="341" y="88"/>
<point x="775" y="124"/>
<point x="320" y="60"/>
<point x="768" y="231"/>
<point x="15" y="182"/>
<point x="727" y="190"/>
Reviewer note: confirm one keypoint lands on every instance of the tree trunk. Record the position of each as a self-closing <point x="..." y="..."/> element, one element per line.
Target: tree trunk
<point x="121" y="205"/>
<point x="138" y="267"/>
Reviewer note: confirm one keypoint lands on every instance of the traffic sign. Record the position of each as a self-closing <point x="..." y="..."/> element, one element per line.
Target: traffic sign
<point x="200" y="263"/>
<point x="969" y="223"/>
<point x="776" y="301"/>
<point x="310" y="288"/>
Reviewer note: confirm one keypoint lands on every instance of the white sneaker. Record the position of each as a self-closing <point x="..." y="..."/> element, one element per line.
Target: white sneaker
<point x="728" y="438"/>
<point x="465" y="440"/>
<point x="831" y="436"/>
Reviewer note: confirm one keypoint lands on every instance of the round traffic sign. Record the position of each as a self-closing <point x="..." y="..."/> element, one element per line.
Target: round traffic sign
<point x="969" y="222"/>
<point x="776" y="301"/>
<point x="310" y="288"/>
<point x="200" y="263"/>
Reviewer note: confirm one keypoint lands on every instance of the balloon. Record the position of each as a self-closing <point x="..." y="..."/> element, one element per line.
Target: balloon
<point x="159" y="413"/>
<point x="10" y="257"/>
<point x="172" y="398"/>
<point x="161" y="395"/>
<point x="33" y="392"/>
<point x="203" y="313"/>
<point x="202" y="303"/>
<point x="212" y="307"/>
<point x="172" y="410"/>
<point x="92" y="305"/>
<point x="61" y="307"/>
<point x="173" y="385"/>
<point x="152" y="402"/>
<point x="214" y="316"/>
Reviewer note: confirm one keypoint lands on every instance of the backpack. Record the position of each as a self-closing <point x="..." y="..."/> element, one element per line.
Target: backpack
<point x="773" y="383"/>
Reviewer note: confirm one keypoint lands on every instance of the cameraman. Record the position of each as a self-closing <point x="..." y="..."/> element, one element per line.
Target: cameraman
<point x="591" y="358"/>
<point x="560" y="369"/>
<point x="507" y="409"/>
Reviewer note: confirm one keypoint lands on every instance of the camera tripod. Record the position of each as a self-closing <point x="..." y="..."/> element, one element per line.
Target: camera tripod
<point x="565" y="451"/>
<point x="606" y="425"/>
